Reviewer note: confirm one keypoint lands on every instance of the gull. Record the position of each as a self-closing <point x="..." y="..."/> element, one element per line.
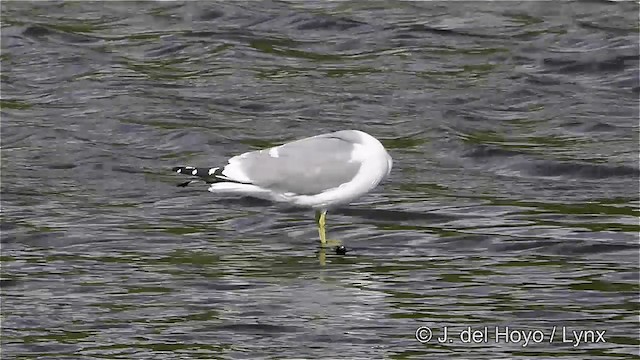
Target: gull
<point x="319" y="172"/>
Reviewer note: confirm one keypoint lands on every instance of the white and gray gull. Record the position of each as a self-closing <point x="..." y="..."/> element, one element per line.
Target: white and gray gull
<point x="319" y="172"/>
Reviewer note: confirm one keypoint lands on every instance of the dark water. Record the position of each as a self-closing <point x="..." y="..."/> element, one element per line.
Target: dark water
<point x="513" y="200"/>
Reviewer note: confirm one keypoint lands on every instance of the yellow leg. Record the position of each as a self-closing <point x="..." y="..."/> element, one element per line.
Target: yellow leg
<point x="321" y="220"/>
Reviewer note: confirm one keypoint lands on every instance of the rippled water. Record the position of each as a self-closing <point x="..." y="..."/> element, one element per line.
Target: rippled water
<point x="513" y="201"/>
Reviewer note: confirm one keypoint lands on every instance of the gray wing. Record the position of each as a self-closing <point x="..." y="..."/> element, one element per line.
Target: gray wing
<point x="306" y="167"/>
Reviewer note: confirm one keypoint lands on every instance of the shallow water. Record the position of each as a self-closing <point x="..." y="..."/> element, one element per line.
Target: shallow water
<point x="513" y="201"/>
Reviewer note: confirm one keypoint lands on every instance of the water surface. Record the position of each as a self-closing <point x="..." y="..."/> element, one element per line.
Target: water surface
<point x="513" y="201"/>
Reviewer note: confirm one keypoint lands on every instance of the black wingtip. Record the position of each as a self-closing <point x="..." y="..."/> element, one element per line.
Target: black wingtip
<point x="177" y="168"/>
<point x="184" y="184"/>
